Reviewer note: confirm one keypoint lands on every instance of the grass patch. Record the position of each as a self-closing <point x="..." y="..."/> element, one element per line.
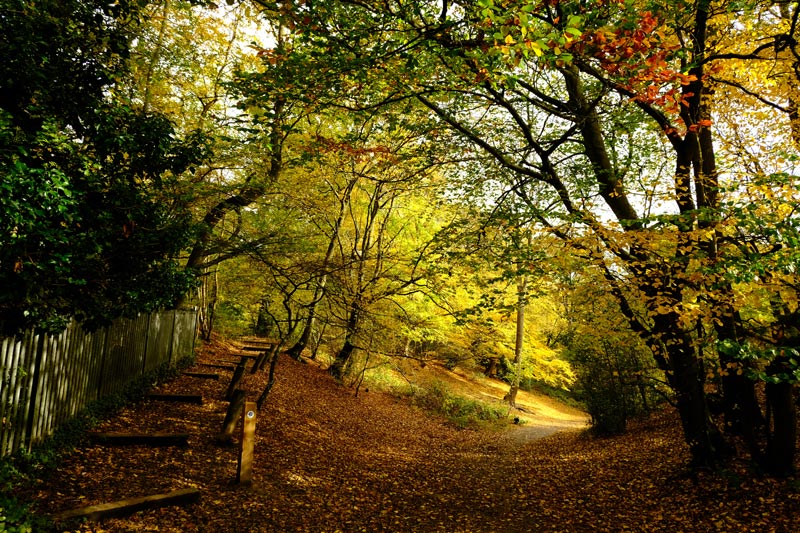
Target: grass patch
<point x="385" y="378"/>
<point x="438" y="398"/>
<point x="460" y="411"/>
<point x="564" y="396"/>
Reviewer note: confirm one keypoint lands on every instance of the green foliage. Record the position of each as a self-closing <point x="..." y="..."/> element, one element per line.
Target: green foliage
<point x="92" y="231"/>
<point x="17" y="518"/>
<point x="91" y="220"/>
<point x="58" y="56"/>
<point x="612" y="383"/>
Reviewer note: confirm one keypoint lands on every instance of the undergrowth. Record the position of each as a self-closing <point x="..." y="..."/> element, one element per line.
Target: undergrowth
<point x="460" y="411"/>
<point x="566" y="397"/>
<point x="438" y="399"/>
<point x="21" y="468"/>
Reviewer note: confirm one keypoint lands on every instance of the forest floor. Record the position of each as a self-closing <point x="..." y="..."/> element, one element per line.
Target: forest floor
<point x="328" y="460"/>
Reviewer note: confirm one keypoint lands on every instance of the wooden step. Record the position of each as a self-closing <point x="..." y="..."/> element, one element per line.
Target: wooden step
<point x="213" y="365"/>
<point x="184" y="398"/>
<point x="201" y="375"/>
<point x="148" y="439"/>
<point x="131" y="505"/>
<point x="257" y="348"/>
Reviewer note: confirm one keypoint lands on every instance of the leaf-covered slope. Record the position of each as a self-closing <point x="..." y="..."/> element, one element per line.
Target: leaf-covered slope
<point x="329" y="461"/>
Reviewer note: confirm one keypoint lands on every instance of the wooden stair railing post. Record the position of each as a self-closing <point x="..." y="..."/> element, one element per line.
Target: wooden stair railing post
<point x="231" y="417"/>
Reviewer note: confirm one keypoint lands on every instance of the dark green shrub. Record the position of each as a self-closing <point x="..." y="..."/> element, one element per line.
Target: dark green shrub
<point x="17" y="518"/>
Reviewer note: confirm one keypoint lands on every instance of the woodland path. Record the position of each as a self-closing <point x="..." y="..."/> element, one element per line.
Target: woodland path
<point x="327" y="460"/>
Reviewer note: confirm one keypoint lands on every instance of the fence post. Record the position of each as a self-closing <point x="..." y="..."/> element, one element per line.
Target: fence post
<point x="146" y="341"/>
<point x="244" y="473"/>
<point x="172" y="335"/>
<point x="103" y="358"/>
<point x="37" y="364"/>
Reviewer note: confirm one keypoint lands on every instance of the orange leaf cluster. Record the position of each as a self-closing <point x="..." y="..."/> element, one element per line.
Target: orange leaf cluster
<point x="638" y="59"/>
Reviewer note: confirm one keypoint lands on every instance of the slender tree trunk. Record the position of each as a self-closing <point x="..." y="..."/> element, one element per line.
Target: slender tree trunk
<point x="519" y="339"/>
<point x="340" y="363"/>
<point x="156" y="58"/>
<point x="207" y="304"/>
<point x="298" y="347"/>
<point x="271" y="380"/>
<point x="491" y="368"/>
<point x="319" y="290"/>
<point x="318" y="341"/>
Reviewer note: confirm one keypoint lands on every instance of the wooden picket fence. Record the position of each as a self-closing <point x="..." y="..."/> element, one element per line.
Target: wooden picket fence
<point x="47" y="379"/>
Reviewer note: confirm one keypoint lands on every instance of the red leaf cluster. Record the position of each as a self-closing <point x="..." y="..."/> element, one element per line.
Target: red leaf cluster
<point x="638" y="58"/>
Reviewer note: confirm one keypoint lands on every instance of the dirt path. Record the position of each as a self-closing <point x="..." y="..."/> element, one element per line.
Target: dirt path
<point x="543" y="428"/>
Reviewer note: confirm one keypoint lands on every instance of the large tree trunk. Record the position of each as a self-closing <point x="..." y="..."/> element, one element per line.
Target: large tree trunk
<point x="782" y="439"/>
<point x="742" y="412"/>
<point x="686" y="376"/>
<point x="251" y="190"/>
<point x="705" y="442"/>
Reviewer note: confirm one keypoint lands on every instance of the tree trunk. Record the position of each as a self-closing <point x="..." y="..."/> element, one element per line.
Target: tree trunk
<point x="271" y="380"/>
<point x="263" y="325"/>
<point x="207" y="304"/>
<point x="687" y="380"/>
<point x="686" y="376"/>
<point x="295" y="351"/>
<point x="518" y="340"/>
<point x="782" y="441"/>
<point x="339" y="365"/>
<point x="491" y="368"/>
<point x="337" y="369"/>
<point x="318" y="341"/>
<point x="742" y="412"/>
<point x="344" y="201"/>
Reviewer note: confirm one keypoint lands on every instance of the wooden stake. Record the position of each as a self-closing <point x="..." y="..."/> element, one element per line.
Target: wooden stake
<point x="223" y="367"/>
<point x="235" y="380"/>
<point x="201" y="375"/>
<point x="231" y="417"/>
<point x="244" y="474"/>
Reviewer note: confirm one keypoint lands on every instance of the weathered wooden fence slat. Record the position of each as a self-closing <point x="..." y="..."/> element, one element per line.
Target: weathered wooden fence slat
<point x="47" y="379"/>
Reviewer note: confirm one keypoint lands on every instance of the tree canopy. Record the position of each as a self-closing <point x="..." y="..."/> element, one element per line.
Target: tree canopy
<point x="405" y="180"/>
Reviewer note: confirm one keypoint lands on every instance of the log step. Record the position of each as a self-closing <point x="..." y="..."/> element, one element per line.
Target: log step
<point x="149" y="439"/>
<point x="263" y="348"/>
<point x="201" y="375"/>
<point x="247" y="355"/>
<point x="255" y="341"/>
<point x="212" y="365"/>
<point x="131" y="505"/>
<point x="184" y="398"/>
